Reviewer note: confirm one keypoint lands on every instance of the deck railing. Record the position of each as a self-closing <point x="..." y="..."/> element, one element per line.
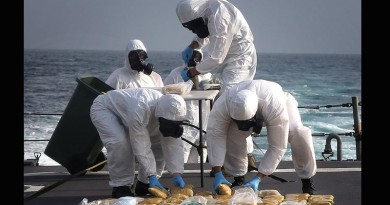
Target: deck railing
<point x="328" y="152"/>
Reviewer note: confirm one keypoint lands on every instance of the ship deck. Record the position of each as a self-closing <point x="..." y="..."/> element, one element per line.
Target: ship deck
<point x="342" y="179"/>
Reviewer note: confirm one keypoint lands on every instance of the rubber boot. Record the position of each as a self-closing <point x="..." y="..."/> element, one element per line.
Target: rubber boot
<point x="121" y="191"/>
<point x="141" y="189"/>
<point x="307" y="186"/>
<point x="238" y="181"/>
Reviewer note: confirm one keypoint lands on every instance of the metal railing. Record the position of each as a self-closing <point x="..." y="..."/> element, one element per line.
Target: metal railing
<point x="357" y="134"/>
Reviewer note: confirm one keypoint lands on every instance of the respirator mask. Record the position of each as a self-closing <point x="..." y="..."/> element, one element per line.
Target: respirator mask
<point x="137" y="61"/>
<point x="245" y="125"/>
<point x="195" y="59"/>
<point x="170" y="128"/>
<point x="198" y="26"/>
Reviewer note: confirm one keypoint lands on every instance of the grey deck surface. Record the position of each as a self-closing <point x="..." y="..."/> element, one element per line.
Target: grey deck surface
<point x="342" y="179"/>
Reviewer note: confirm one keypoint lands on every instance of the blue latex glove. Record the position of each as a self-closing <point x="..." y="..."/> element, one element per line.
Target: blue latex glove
<point x="184" y="75"/>
<point x="153" y="181"/>
<point x="186" y="54"/>
<point x="178" y="181"/>
<point x="254" y="183"/>
<point x="219" y="179"/>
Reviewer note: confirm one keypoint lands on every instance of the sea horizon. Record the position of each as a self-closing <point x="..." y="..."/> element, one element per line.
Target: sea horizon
<point x="313" y="79"/>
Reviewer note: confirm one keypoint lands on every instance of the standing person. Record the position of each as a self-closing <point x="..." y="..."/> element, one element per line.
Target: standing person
<point x="136" y="72"/>
<point x="231" y="51"/>
<point x="243" y="109"/>
<point x="143" y="124"/>
<point x="191" y="154"/>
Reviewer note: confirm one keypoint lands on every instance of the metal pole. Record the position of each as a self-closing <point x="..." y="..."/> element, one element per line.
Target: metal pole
<point x="328" y="147"/>
<point x="201" y="142"/>
<point x="357" y="128"/>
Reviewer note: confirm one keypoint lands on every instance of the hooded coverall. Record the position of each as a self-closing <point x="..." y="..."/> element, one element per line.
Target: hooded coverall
<point x="226" y="144"/>
<point x="231" y="51"/>
<point x="126" y="77"/>
<point x="191" y="154"/>
<point x="127" y="123"/>
<point x="232" y="54"/>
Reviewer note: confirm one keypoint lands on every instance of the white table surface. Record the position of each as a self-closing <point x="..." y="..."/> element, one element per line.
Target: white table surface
<point x="195" y="94"/>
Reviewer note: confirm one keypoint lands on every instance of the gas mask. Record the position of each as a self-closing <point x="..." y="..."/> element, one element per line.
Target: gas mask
<point x="245" y="125"/>
<point x="198" y="26"/>
<point x="170" y="128"/>
<point x="195" y="59"/>
<point x="137" y="61"/>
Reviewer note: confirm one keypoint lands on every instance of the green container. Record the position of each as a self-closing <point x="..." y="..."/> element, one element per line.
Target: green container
<point x="75" y="143"/>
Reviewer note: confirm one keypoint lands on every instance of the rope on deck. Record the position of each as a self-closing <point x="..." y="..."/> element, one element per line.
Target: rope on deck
<point x="52" y="186"/>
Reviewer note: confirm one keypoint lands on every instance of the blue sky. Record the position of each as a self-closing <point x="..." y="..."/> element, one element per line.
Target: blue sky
<point x="278" y="26"/>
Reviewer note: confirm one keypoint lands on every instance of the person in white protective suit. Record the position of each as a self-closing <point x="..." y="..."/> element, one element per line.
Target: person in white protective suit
<point x="232" y="54"/>
<point x="141" y="124"/>
<point x="243" y="109"/>
<point x="191" y="134"/>
<point x="136" y="72"/>
<point x="221" y="26"/>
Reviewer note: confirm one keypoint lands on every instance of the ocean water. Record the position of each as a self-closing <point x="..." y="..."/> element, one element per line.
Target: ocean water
<point x="313" y="79"/>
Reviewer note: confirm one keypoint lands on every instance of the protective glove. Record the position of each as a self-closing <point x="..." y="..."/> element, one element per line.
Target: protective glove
<point x="253" y="183"/>
<point x="153" y="181"/>
<point x="184" y="75"/>
<point x="186" y="54"/>
<point x="178" y="181"/>
<point x="219" y="179"/>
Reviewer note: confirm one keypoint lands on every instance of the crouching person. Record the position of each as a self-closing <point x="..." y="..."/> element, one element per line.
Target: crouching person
<point x="244" y="109"/>
<point x="142" y="124"/>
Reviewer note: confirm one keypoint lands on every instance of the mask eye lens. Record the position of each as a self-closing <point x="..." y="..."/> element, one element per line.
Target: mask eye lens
<point x="193" y="24"/>
<point x="198" y="58"/>
<point x="170" y="128"/>
<point x="133" y="56"/>
<point x="138" y="54"/>
<point x="245" y="125"/>
<point x="142" y="55"/>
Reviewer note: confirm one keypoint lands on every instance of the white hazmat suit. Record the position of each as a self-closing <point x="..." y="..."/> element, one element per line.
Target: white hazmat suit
<point x="278" y="109"/>
<point x="232" y="54"/>
<point x="230" y="43"/>
<point x="191" y="154"/>
<point x="126" y="77"/>
<point x="127" y="122"/>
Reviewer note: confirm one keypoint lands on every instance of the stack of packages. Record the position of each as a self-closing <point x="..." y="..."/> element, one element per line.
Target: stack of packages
<point x="186" y="196"/>
<point x="225" y="196"/>
<point x="162" y="197"/>
<point x="273" y="197"/>
<point x="320" y="200"/>
<point x="270" y="197"/>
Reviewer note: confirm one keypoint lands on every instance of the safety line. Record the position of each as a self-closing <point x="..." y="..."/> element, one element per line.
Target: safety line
<point x="346" y="169"/>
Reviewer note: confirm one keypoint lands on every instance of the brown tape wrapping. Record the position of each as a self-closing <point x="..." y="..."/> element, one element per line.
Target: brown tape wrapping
<point x="224" y="189"/>
<point x="157" y="192"/>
